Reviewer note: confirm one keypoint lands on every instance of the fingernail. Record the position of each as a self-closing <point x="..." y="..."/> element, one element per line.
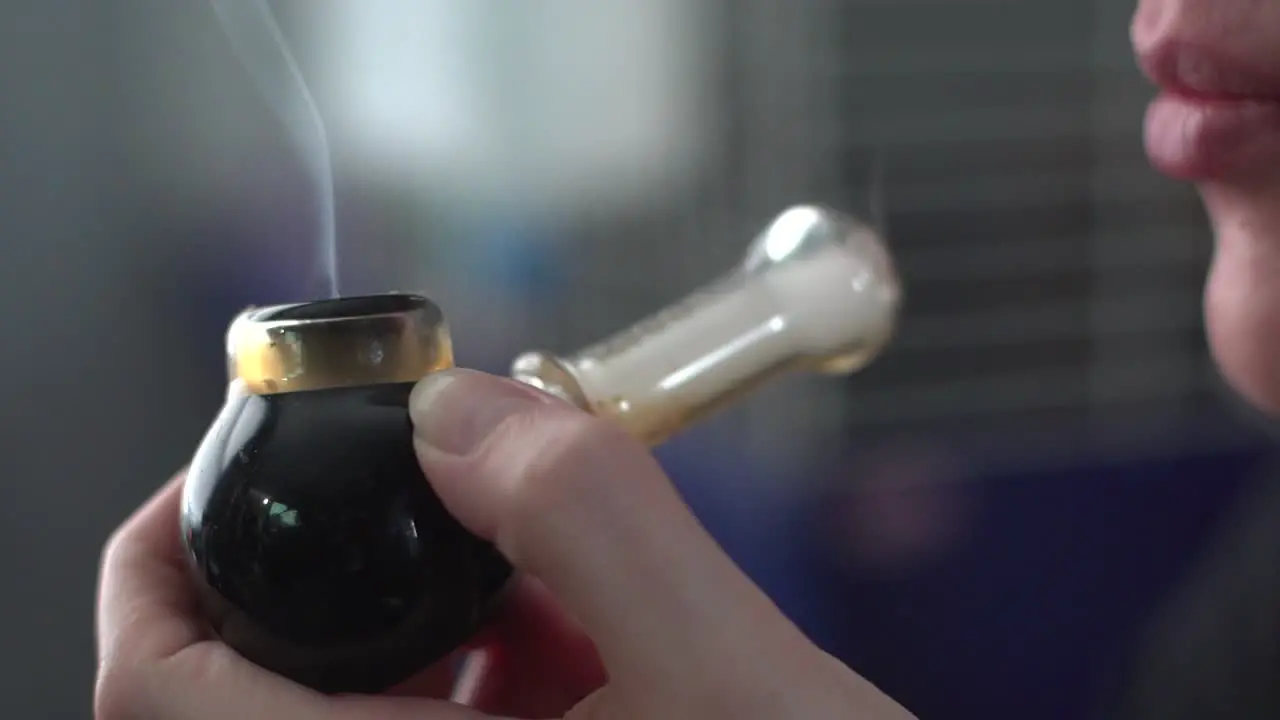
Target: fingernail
<point x="454" y="411"/>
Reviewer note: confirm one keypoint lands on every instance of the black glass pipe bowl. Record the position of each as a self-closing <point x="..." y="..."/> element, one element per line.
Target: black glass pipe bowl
<point x="317" y="547"/>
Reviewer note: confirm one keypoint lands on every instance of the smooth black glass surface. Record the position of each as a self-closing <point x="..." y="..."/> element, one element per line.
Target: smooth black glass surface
<point x="318" y="546"/>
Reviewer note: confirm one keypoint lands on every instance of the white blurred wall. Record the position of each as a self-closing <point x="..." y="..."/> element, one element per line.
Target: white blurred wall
<point x="560" y="105"/>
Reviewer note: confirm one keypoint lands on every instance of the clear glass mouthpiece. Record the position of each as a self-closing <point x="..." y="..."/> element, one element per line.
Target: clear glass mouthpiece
<point x="817" y="290"/>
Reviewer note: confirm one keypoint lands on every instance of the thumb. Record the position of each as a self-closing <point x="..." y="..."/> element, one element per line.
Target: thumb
<point x="572" y="500"/>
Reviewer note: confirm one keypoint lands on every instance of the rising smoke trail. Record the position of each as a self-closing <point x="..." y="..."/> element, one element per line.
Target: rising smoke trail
<point x="258" y="42"/>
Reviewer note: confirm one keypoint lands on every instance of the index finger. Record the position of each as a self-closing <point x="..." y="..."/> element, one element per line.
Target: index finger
<point x="146" y="606"/>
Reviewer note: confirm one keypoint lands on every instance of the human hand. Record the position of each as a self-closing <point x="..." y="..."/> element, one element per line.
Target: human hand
<point x="627" y="608"/>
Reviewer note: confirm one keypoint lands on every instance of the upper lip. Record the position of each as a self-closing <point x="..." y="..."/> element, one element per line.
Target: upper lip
<point x="1194" y="71"/>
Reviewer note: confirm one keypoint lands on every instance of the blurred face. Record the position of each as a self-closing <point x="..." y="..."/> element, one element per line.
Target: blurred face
<point x="1216" y="122"/>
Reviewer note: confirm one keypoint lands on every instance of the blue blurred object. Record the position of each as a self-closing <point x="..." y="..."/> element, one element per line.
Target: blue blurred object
<point x="1027" y="608"/>
<point x="760" y="522"/>
<point x="516" y="253"/>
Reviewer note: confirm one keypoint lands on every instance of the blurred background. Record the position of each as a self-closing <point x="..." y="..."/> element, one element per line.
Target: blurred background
<point x="982" y="523"/>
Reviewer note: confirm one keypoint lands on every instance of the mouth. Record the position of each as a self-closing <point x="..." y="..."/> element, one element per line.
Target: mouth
<point x="1214" y="118"/>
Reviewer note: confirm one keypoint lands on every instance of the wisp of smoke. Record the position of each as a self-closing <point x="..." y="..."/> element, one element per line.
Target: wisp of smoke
<point x="258" y="42"/>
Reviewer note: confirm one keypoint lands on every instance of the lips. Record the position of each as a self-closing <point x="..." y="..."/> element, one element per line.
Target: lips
<point x="1215" y="118"/>
<point x="1208" y="139"/>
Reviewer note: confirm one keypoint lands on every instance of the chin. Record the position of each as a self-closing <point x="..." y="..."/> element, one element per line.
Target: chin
<point x="1242" y="314"/>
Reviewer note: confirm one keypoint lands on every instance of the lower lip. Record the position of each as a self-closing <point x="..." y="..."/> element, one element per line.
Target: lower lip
<point x="1205" y="139"/>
